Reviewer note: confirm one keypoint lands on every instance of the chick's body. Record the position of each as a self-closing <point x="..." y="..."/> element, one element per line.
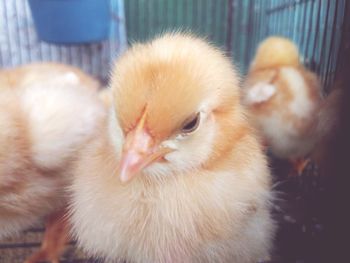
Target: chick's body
<point x="204" y="200"/>
<point x="283" y="98"/>
<point x="34" y="73"/>
<point x="43" y="122"/>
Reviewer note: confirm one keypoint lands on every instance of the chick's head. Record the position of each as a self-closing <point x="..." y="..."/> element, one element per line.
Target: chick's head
<point x="275" y="52"/>
<point x="175" y="104"/>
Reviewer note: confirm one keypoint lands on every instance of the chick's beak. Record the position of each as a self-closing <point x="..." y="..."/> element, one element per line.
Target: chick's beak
<point x="139" y="151"/>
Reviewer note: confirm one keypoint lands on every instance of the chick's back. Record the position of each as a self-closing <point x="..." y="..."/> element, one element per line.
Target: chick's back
<point x="42" y="126"/>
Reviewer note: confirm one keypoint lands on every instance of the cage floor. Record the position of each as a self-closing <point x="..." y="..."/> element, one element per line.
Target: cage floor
<point x="17" y="249"/>
<point x="299" y="212"/>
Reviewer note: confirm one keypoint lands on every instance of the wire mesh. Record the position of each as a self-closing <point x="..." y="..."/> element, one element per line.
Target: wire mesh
<point x="19" y="43"/>
<point x="238" y="26"/>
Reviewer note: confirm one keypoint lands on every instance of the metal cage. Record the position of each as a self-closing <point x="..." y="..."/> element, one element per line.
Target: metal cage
<point x="238" y="26"/>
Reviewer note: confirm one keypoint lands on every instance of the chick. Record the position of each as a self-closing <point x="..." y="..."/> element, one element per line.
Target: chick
<point x="283" y="98"/>
<point x="176" y="173"/>
<point x="41" y="72"/>
<point x="47" y="112"/>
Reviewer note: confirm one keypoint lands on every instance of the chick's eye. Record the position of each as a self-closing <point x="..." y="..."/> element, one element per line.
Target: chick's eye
<point x="191" y="124"/>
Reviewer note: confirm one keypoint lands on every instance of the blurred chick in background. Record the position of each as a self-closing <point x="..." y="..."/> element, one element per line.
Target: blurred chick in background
<point x="176" y="173"/>
<point x="283" y="98"/>
<point x="47" y="111"/>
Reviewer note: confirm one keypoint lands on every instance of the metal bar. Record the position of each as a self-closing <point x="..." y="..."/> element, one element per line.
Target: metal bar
<point x="213" y="9"/>
<point x="296" y="22"/>
<point x="303" y="23"/>
<point x="236" y="26"/>
<point x="250" y="28"/>
<point x="316" y="33"/>
<point x="203" y="17"/>
<point x="338" y="39"/>
<point x="307" y="45"/>
<point x="149" y="13"/>
<point x="322" y="61"/>
<point x="183" y="10"/>
<point x="20" y="52"/>
<point x="269" y="17"/>
<point x="208" y="18"/>
<point x="229" y="26"/>
<point x="178" y="14"/>
<point x="286" y="5"/>
<point x="194" y="14"/>
<point x="9" y="42"/>
<point x="273" y="23"/>
<point x="27" y="14"/>
<point x="291" y="14"/>
<point x="279" y="19"/>
<point x="136" y="17"/>
<point x="223" y="18"/>
<point x="345" y="27"/>
<point x="328" y="73"/>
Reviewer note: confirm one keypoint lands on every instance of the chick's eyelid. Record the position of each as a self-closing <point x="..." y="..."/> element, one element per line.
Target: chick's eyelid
<point x="191" y="124"/>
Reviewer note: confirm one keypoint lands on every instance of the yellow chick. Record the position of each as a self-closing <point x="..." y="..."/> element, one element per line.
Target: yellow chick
<point x="176" y="173"/>
<point x="283" y="99"/>
<point x="47" y="111"/>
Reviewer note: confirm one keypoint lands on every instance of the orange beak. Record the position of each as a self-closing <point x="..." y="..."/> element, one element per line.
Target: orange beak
<point x="139" y="151"/>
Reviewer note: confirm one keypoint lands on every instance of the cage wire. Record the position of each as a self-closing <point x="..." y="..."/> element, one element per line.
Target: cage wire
<point x="19" y="43"/>
<point x="237" y="26"/>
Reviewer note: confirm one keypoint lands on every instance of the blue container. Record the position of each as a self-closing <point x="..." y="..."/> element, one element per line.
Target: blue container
<point x="71" y="21"/>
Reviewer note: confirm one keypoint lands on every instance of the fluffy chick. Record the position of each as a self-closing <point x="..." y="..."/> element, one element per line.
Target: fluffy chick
<point x="47" y="112"/>
<point x="283" y="98"/>
<point x="176" y="173"/>
<point x="31" y="74"/>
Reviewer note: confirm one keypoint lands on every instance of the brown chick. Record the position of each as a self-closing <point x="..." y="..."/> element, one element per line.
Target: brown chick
<point x="283" y="98"/>
<point x="176" y="173"/>
<point x="47" y="111"/>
